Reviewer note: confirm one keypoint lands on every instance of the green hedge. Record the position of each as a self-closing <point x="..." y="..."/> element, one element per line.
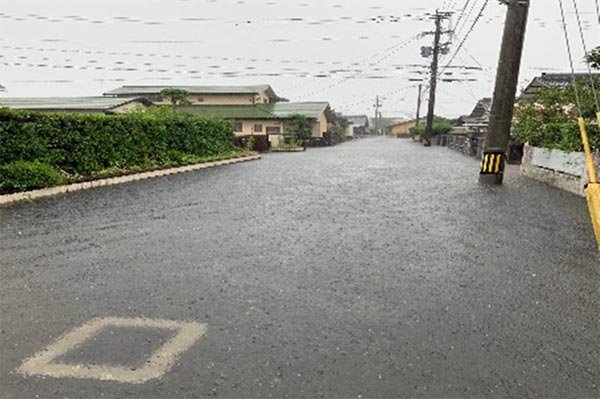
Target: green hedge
<point x="549" y="119"/>
<point x="20" y="176"/>
<point x="81" y="146"/>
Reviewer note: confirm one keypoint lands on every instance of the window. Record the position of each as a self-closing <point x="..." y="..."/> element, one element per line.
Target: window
<point x="237" y="127"/>
<point x="273" y="130"/>
<point x="258" y="128"/>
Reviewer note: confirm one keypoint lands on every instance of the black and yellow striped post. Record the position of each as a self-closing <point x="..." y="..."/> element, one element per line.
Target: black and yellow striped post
<point x="492" y="167"/>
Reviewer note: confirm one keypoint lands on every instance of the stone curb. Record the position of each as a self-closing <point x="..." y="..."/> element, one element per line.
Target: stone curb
<point x="47" y="192"/>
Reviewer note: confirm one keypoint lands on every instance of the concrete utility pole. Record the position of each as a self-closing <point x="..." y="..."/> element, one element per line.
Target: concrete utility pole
<point x="507" y="79"/>
<point x="377" y="114"/>
<point x="419" y="99"/>
<point x="437" y="48"/>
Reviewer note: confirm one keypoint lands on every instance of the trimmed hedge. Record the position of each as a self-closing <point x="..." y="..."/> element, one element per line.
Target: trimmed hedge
<point x="21" y="176"/>
<point x="81" y="146"/>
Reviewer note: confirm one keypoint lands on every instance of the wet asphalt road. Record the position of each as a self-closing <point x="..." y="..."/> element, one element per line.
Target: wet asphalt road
<point x="377" y="268"/>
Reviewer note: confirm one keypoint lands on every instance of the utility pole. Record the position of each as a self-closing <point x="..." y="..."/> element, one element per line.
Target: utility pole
<point x="507" y="79"/>
<point x="377" y="114"/>
<point x="419" y="99"/>
<point x="437" y="48"/>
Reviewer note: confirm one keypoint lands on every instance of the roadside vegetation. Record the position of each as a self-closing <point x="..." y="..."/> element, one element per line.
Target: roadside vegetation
<point x="549" y="120"/>
<point x="440" y="126"/>
<point x="39" y="150"/>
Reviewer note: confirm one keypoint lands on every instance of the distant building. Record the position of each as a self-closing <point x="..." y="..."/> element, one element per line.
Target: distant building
<point x="267" y="119"/>
<point x="551" y="80"/>
<point x="360" y="124"/>
<point x="383" y="123"/>
<point x="94" y="105"/>
<point x="203" y="95"/>
<point x="2" y="88"/>
<point x="402" y="128"/>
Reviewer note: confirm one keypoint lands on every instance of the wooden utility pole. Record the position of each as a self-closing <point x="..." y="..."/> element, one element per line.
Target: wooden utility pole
<point x="507" y="79"/>
<point x="419" y="99"/>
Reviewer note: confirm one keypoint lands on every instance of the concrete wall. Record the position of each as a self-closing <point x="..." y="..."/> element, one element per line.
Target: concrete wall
<point x="350" y="130"/>
<point x="402" y="129"/>
<point x="564" y="170"/>
<point x="321" y="126"/>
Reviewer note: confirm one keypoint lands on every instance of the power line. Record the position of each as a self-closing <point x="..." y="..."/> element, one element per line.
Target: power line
<point x="462" y="43"/>
<point x="585" y="51"/>
<point x="392" y="50"/>
<point x="462" y="13"/>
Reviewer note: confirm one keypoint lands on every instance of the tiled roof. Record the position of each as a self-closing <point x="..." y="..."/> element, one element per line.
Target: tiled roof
<point x="482" y="109"/>
<point x="154" y="90"/>
<point x="260" y="111"/>
<point x="66" y="103"/>
<point x="551" y="80"/>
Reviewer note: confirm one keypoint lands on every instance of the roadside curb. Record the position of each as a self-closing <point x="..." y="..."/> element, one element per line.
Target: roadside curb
<point x="69" y="188"/>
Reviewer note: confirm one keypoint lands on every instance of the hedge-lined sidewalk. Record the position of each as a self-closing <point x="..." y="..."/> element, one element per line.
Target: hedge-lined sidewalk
<point x="48" y="192"/>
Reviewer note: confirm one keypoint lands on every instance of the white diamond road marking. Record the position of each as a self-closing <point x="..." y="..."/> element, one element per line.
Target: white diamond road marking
<point x="156" y="366"/>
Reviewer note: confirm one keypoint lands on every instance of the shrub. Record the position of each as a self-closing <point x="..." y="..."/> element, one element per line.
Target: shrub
<point x="21" y="175"/>
<point x="440" y="126"/>
<point x="300" y="128"/>
<point x="549" y="120"/>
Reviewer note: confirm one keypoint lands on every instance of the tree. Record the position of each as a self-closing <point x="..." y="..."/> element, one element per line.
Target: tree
<point x="593" y="58"/>
<point x="176" y="96"/>
<point x="300" y="127"/>
<point x="339" y="129"/>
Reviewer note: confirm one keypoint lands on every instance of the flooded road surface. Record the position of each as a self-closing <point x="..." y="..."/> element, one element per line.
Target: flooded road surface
<point x="377" y="268"/>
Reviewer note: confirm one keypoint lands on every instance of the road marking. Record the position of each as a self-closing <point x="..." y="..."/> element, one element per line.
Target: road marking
<point x="156" y="366"/>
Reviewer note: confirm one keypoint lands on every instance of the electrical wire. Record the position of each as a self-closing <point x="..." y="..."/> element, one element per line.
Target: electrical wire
<point x="360" y="72"/>
<point x="585" y="51"/>
<point x="462" y="43"/>
<point x="570" y="54"/>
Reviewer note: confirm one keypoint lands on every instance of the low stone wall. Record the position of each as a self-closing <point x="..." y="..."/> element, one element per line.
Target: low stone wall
<point x="564" y="170"/>
<point x="466" y="144"/>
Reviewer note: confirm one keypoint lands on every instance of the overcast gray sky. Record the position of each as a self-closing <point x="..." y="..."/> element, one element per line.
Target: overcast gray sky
<point x="342" y="51"/>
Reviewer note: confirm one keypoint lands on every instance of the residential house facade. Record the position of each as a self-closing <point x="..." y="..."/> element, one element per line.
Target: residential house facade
<point x="203" y="95"/>
<point x="269" y="120"/>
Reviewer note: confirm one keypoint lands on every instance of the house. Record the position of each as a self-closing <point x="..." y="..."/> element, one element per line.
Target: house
<point x="551" y="80"/>
<point x="267" y="120"/>
<point x="93" y="105"/>
<point x="477" y="122"/>
<point x="360" y="124"/>
<point x="401" y="128"/>
<point x="382" y="124"/>
<point x="203" y="95"/>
